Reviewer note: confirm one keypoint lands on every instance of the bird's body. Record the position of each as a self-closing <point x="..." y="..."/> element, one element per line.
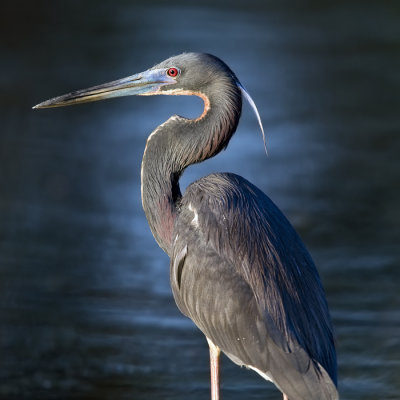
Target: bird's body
<point x="238" y="269"/>
<point x="252" y="304"/>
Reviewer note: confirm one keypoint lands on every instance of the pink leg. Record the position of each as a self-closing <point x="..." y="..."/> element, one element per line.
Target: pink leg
<point x="214" y="367"/>
<point x="285" y="397"/>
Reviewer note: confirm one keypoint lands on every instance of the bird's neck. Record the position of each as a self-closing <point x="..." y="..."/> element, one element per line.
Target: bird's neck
<point x="175" y="145"/>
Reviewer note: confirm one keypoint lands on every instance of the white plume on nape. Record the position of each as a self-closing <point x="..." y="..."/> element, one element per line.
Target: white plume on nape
<point x="254" y="107"/>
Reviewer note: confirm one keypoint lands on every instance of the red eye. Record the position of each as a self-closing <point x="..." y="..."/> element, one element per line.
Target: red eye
<point x="173" y="72"/>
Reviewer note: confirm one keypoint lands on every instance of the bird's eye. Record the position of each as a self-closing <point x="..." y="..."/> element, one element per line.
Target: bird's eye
<point x="173" y="72"/>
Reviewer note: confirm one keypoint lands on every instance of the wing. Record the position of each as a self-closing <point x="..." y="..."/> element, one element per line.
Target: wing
<point x="243" y="275"/>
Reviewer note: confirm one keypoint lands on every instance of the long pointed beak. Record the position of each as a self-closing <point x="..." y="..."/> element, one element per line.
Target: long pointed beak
<point x="145" y="83"/>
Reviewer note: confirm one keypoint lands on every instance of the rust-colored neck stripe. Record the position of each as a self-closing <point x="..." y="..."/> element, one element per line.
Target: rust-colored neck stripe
<point x="181" y="92"/>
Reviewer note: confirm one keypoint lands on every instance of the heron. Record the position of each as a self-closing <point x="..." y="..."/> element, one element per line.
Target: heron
<point x="238" y="268"/>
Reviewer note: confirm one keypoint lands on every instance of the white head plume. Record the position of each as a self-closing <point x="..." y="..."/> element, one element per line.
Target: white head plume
<point x="254" y="107"/>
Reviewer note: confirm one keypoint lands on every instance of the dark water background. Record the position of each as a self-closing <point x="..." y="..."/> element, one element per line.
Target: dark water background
<point x="86" y="310"/>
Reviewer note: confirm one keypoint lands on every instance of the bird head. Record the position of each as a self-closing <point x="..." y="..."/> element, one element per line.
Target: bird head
<point x="186" y="74"/>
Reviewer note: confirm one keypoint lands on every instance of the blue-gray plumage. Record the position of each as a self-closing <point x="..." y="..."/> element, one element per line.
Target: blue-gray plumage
<point x="262" y="302"/>
<point x="238" y="268"/>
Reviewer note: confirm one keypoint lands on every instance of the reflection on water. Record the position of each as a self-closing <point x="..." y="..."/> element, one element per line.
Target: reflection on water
<point x="85" y="303"/>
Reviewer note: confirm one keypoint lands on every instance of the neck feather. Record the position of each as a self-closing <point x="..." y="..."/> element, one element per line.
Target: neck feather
<point x="178" y="143"/>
